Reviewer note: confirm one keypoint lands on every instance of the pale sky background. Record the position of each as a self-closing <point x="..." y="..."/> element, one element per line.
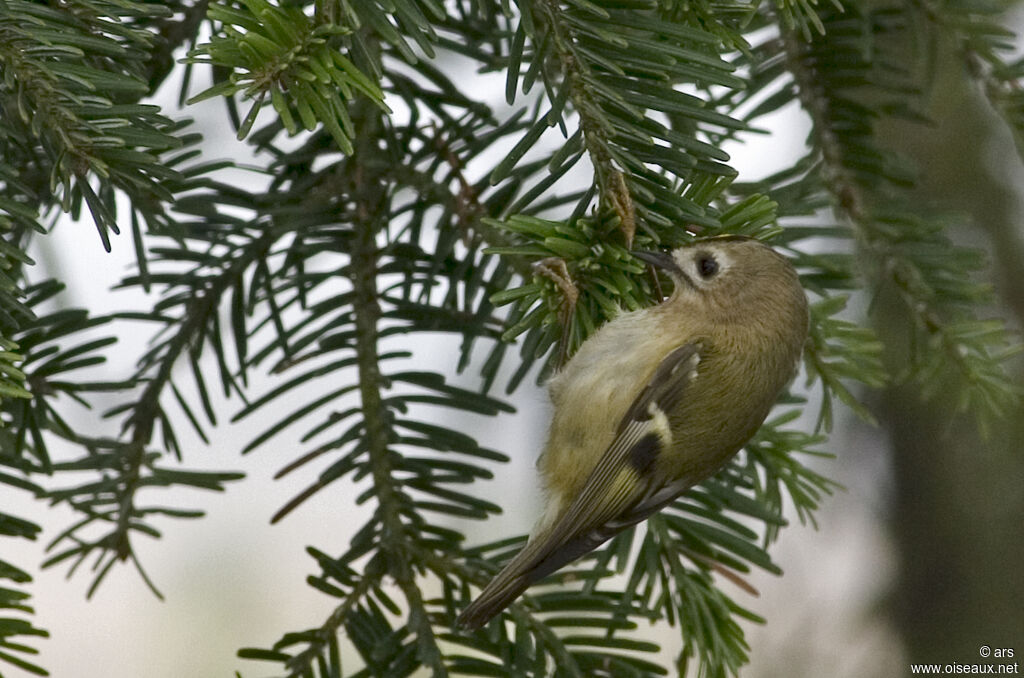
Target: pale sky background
<point x="231" y="580"/>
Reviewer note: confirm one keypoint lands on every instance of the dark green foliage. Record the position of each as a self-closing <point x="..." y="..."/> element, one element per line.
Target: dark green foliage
<point x="14" y="601"/>
<point x="393" y="201"/>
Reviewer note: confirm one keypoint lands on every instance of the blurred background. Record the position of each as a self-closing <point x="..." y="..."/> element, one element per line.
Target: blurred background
<point x="918" y="560"/>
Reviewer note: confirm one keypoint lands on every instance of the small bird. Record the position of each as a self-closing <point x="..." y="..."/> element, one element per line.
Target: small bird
<point x="657" y="400"/>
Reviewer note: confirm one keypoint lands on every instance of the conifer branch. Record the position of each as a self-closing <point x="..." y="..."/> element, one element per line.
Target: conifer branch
<point x="883" y="227"/>
<point x="370" y="205"/>
<point x="609" y="179"/>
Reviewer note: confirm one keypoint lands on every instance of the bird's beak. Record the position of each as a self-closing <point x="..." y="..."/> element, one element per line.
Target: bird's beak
<point x="665" y="262"/>
<point x="659" y="260"/>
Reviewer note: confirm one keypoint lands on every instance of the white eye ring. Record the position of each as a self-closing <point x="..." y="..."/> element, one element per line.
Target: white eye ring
<point x="706" y="264"/>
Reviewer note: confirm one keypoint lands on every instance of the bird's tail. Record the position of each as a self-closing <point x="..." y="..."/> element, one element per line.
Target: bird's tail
<point x="527" y="567"/>
<point x="541" y="556"/>
<point x="496" y="596"/>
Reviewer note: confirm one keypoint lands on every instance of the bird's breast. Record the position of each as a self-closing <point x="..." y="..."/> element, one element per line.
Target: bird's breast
<point x="593" y="392"/>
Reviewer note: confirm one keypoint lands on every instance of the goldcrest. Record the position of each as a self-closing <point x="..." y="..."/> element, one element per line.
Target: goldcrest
<point x="657" y="400"/>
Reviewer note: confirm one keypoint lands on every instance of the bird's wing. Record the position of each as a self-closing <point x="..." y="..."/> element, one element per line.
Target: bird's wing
<point x="621" y="490"/>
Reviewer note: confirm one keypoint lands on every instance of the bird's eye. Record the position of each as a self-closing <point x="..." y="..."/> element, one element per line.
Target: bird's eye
<point x="707" y="265"/>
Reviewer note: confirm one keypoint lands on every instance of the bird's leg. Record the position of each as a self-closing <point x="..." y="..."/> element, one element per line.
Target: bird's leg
<point x="555" y="270"/>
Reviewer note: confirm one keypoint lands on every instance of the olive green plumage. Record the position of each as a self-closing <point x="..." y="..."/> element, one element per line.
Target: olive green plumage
<point x="657" y="400"/>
